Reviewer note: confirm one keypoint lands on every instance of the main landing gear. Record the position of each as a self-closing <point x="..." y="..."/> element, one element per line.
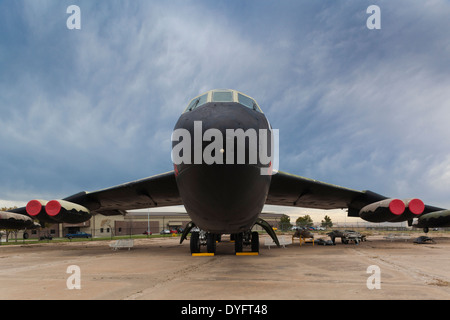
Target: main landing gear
<point x="201" y="238"/>
<point x="247" y="238"/>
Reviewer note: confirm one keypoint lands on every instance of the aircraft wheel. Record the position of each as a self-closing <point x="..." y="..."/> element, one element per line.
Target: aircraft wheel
<point x="255" y="241"/>
<point x="195" y="242"/>
<point x="211" y="243"/>
<point x="239" y="242"/>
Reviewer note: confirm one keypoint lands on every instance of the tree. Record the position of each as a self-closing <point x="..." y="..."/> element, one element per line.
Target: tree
<point x="285" y="222"/>
<point x="304" y="221"/>
<point x="326" y="222"/>
<point x="7" y="209"/>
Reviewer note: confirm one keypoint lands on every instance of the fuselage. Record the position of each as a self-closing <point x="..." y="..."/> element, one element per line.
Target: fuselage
<point x="222" y="186"/>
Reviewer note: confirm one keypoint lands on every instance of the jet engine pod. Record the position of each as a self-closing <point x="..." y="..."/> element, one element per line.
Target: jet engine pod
<point x="36" y="210"/>
<point x="11" y="220"/>
<point x="65" y="211"/>
<point x="434" y="219"/>
<point x="383" y="211"/>
<point x="413" y="209"/>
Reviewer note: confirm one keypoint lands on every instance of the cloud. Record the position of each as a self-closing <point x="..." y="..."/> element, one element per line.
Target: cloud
<point x="367" y="106"/>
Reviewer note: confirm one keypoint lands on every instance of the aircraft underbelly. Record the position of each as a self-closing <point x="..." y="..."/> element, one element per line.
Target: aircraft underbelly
<point x="223" y="198"/>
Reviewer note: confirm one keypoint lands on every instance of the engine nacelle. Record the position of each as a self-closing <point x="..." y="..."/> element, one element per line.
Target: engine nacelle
<point x="413" y="208"/>
<point x="65" y="211"/>
<point x="382" y="211"/>
<point x="11" y="220"/>
<point x="36" y="210"/>
<point x="436" y="219"/>
<point x="56" y="211"/>
<point x="392" y="210"/>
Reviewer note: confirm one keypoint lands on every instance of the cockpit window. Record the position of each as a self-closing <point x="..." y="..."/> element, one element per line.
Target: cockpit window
<point x="246" y="101"/>
<point x="222" y="96"/>
<point x="197" y="102"/>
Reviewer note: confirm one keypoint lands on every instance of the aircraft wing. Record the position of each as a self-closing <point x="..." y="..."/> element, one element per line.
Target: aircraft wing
<point x="156" y="191"/>
<point x="292" y="190"/>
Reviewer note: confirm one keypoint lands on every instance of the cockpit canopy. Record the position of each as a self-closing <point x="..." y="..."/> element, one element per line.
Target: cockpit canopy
<point x="223" y="95"/>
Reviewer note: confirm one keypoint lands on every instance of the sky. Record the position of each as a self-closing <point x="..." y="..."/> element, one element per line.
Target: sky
<point x="86" y="109"/>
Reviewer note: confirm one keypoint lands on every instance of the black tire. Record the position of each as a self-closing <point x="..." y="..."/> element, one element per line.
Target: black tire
<point x="239" y="242"/>
<point x="255" y="241"/>
<point x="195" y="242"/>
<point x="211" y="243"/>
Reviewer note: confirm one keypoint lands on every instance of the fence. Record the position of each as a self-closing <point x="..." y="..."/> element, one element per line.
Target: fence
<point x="135" y="232"/>
<point x="86" y="234"/>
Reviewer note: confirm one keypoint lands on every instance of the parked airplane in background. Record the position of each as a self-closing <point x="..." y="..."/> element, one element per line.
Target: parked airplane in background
<point x="224" y="197"/>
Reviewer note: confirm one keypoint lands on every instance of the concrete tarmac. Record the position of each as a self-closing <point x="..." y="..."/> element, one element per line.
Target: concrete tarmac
<point x="160" y="268"/>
